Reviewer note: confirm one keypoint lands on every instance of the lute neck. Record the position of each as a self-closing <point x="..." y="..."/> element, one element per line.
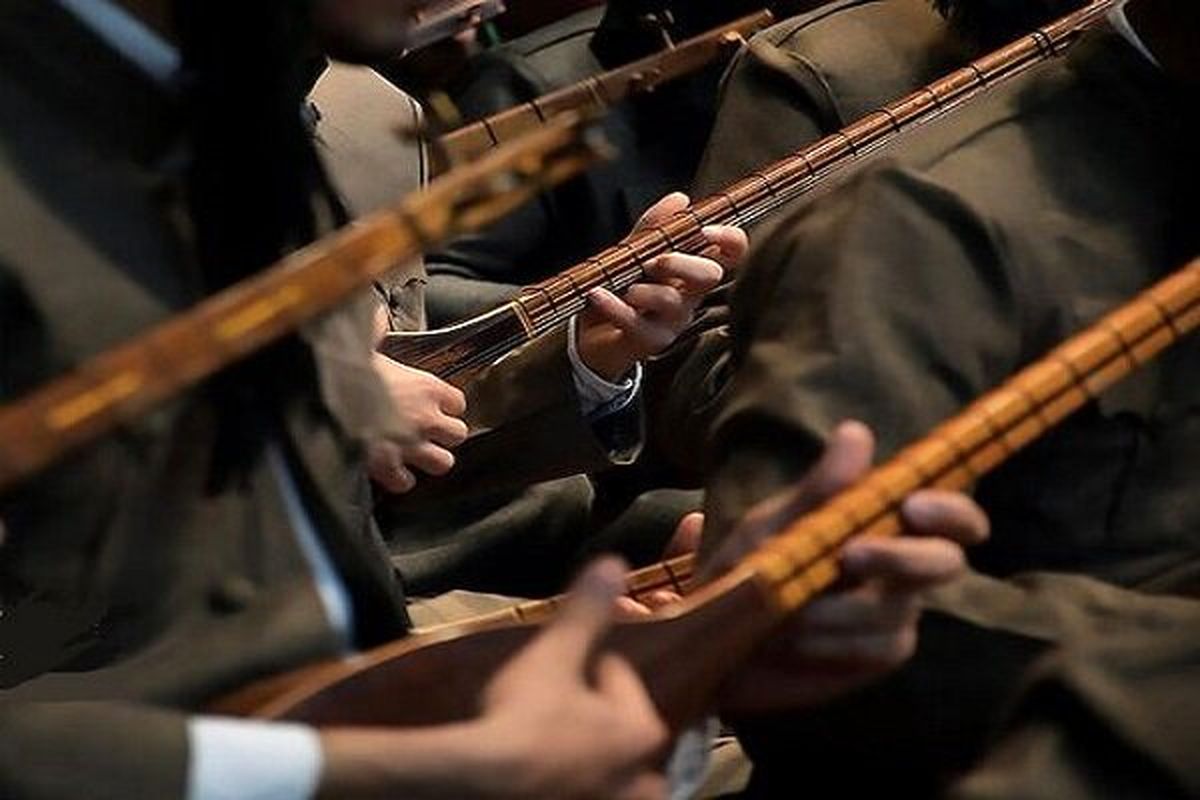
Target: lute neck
<point x="686" y="651"/>
<point x="953" y="456"/>
<point x="799" y="564"/>
<point x="548" y="305"/>
<point x="674" y="575"/>
<point x="594" y="94"/>
<point x="685" y="662"/>
<point x="122" y="383"/>
<point x="457" y="352"/>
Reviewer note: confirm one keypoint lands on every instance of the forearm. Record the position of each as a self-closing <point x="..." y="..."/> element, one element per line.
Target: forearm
<point x="451" y="761"/>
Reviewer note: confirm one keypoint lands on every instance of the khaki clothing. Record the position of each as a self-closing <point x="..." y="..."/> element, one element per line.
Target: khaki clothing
<point x="813" y="74"/>
<point x="917" y="286"/>
<point x="1115" y="715"/>
<point x="358" y="120"/>
<point x="801" y="79"/>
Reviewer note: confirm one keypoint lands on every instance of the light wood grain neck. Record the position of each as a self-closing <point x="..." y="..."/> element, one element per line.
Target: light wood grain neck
<point x="800" y="563"/>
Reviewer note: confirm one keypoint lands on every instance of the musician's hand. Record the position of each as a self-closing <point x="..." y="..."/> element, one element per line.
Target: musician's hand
<point x="686" y="539"/>
<point x="868" y="626"/>
<point x="617" y="332"/>
<point x="573" y="725"/>
<point x="685" y="542"/>
<point x="432" y="409"/>
<point x="558" y="720"/>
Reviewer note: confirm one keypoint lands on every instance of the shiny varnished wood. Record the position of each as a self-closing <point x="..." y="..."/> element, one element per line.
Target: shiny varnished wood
<point x="685" y="651"/>
<point x="439" y="677"/>
<point x="598" y="92"/>
<point x="673" y="575"/>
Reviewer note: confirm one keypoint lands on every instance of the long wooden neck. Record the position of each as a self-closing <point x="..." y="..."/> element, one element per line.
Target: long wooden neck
<point x="599" y="92"/>
<point x="953" y="456"/>
<point x="686" y="659"/>
<point x="674" y="575"/>
<point x="547" y="306"/>
<point x="551" y="303"/>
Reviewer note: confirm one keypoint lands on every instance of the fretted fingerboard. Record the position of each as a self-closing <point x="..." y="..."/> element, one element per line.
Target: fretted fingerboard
<point x="685" y="652"/>
<point x="602" y="91"/>
<point x="801" y="562"/>
<point x="551" y="303"/>
<point x="674" y="575"/>
<point x="547" y="306"/>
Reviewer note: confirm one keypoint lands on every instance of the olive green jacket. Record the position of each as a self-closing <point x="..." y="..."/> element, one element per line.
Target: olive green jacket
<point x="925" y="280"/>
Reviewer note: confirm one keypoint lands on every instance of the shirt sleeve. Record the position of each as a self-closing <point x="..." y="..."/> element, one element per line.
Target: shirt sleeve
<point x="246" y="760"/>
<point x="689" y="760"/>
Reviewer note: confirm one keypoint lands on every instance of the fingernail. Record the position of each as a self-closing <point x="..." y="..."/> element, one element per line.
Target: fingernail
<point x="917" y="511"/>
<point x="606" y="574"/>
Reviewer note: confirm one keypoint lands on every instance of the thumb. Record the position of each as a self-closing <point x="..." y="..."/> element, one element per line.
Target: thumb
<point x="847" y="458"/>
<point x="663" y="210"/>
<point x="585" y="615"/>
<point x="686" y="539"/>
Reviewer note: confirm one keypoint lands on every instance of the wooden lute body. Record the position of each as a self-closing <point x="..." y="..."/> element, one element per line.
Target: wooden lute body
<point x="685" y="651"/>
<point x="440" y="676"/>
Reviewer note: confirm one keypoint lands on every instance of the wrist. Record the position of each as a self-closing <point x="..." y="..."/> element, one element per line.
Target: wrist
<point x="603" y="353"/>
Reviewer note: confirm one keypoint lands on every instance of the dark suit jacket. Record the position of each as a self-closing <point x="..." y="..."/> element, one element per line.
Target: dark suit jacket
<point x="801" y="79"/>
<point x="132" y="586"/>
<point x="923" y="282"/>
<point x="1114" y="715"/>
<point x="982" y="216"/>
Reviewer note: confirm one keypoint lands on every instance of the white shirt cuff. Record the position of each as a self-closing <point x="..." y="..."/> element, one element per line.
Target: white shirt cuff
<point x="232" y="759"/>
<point x="596" y="395"/>
<point x="688" y="765"/>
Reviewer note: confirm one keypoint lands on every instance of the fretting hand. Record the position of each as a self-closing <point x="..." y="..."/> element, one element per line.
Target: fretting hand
<point x="615" y="333"/>
<point x="868" y="626"/>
